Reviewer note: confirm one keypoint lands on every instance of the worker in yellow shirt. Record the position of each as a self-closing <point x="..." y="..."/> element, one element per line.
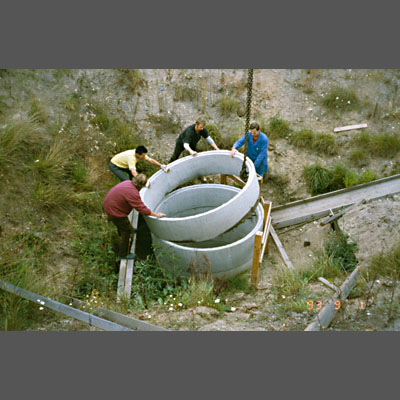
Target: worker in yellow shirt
<point x="123" y="165"/>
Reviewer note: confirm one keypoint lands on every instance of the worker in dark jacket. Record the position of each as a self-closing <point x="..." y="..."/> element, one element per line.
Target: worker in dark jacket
<point x="188" y="139"/>
<point x="119" y="202"/>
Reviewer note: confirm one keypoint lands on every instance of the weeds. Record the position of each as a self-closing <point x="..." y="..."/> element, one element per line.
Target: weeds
<point x="340" y="99"/>
<point x="387" y="266"/>
<point x="278" y="128"/>
<point x="131" y="80"/>
<point x="320" y="142"/>
<point x="381" y="145"/>
<point x="228" y="106"/>
<point x="318" y="179"/>
<point x="322" y="180"/>
<point x="185" y="93"/>
<point x="165" y="124"/>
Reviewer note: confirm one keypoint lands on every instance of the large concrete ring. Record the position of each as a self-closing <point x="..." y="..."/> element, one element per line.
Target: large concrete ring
<point x="224" y="256"/>
<point x="212" y="223"/>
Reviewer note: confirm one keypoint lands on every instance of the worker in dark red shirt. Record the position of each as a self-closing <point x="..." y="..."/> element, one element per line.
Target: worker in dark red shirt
<point x="119" y="202"/>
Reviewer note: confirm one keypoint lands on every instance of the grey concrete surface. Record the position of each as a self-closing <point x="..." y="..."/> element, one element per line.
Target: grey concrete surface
<point x="224" y="256"/>
<point x="205" y="225"/>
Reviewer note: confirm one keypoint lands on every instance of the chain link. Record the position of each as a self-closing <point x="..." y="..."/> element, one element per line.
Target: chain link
<point x="243" y="173"/>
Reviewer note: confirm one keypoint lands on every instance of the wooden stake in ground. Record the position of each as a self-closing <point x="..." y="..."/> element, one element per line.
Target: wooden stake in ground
<point x="325" y="316"/>
<point x="126" y="266"/>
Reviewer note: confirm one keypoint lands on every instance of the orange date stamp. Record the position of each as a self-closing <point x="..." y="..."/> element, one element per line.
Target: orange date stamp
<point x="317" y="305"/>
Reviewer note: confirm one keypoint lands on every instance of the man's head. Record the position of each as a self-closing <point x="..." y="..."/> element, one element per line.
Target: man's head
<point x="139" y="181"/>
<point x="255" y="130"/>
<point x="141" y="152"/>
<point x="199" y="124"/>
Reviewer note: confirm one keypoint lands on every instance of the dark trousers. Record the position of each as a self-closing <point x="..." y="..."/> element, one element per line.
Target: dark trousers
<point x="178" y="150"/>
<point x="121" y="173"/>
<point x="125" y="231"/>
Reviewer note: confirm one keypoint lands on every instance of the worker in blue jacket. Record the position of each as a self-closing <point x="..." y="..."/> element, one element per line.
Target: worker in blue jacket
<point x="257" y="144"/>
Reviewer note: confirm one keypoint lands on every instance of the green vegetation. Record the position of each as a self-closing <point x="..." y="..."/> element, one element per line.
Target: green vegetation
<point x="165" y="124"/>
<point x="340" y="99"/>
<point x="291" y="288"/>
<point x="131" y="79"/>
<point x="320" y="142"/>
<point x="381" y="145"/>
<point x="387" y="266"/>
<point x="278" y="128"/>
<point x="322" y="180"/>
<point x="228" y="106"/>
<point x="186" y="93"/>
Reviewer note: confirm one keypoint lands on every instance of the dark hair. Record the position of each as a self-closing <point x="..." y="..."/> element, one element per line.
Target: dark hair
<point x="140" y="150"/>
<point x="139" y="181"/>
<point x="255" y="125"/>
<point x="200" y="121"/>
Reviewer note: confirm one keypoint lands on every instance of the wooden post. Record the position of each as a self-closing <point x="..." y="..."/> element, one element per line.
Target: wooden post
<point x="223" y="179"/>
<point x="256" y="258"/>
<point x="282" y="251"/>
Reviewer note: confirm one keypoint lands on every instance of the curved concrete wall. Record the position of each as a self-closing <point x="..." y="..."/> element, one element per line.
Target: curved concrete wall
<point x="226" y="255"/>
<point x="206" y="225"/>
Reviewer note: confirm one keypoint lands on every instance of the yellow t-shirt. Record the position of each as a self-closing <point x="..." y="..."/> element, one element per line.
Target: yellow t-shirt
<point x="126" y="159"/>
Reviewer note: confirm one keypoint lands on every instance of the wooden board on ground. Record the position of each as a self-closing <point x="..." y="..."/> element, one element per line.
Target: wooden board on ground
<point x="122" y="319"/>
<point x="282" y="251"/>
<point x="350" y="127"/>
<point x="63" y="309"/>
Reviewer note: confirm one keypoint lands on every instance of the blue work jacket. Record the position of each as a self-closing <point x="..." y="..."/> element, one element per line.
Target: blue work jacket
<point x="257" y="152"/>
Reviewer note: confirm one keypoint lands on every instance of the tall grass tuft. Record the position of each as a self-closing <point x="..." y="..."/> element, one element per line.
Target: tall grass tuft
<point x="382" y="145"/>
<point x="318" y="179"/>
<point x="228" y="106"/>
<point x="278" y="128"/>
<point x="340" y="99"/>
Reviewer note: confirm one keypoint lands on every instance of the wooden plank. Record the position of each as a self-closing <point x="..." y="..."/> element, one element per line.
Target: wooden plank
<point x="63" y="309"/>
<point x="350" y="127"/>
<point x="121" y="319"/>
<point x="121" y="279"/>
<point x="330" y="285"/>
<point x="223" y="179"/>
<point x="325" y="316"/>
<point x="128" y="279"/>
<point x="237" y="180"/>
<point x="264" y="240"/>
<point x="282" y="251"/>
<point x="256" y="258"/>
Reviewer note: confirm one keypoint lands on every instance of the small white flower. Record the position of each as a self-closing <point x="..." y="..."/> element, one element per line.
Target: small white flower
<point x="349" y="102"/>
<point x="41" y="308"/>
<point x="283" y="296"/>
<point x="233" y="308"/>
<point x="337" y="98"/>
<point x="170" y="295"/>
<point x="36" y="160"/>
<point x="180" y="304"/>
<point x="149" y="316"/>
<point x="170" y="309"/>
<point x="217" y="301"/>
<point x="38" y="300"/>
<point x="42" y="303"/>
<point x="70" y="304"/>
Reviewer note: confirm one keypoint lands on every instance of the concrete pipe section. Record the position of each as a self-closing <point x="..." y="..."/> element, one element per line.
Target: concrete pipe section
<point x="206" y="225"/>
<point x="224" y="256"/>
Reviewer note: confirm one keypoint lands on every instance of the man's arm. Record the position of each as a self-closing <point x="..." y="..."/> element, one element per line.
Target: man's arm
<point x="212" y="143"/>
<point x="187" y="147"/>
<point x="155" y="162"/>
<point x="239" y="143"/>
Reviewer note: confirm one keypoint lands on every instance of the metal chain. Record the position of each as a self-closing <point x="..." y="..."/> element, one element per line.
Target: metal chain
<point x="243" y="173"/>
